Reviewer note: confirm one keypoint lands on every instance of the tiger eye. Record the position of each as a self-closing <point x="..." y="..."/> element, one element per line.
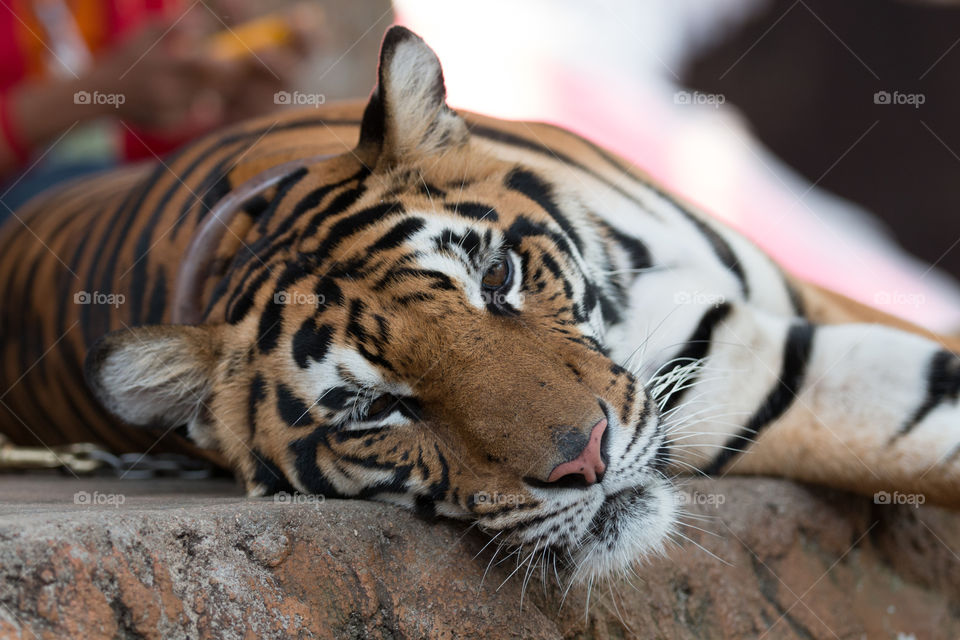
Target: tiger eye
<point x="379" y="405"/>
<point x="497" y="275"/>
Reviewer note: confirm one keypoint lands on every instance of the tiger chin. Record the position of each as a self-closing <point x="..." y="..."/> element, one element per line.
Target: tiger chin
<point x="477" y="319"/>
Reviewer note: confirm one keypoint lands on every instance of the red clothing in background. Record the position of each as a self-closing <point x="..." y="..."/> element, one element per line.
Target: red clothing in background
<point x="25" y="47"/>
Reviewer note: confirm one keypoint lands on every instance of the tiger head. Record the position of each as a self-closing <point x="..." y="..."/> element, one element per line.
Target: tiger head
<point x="424" y="323"/>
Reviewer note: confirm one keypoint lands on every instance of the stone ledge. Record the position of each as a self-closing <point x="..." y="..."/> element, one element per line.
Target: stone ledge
<point x="197" y="559"/>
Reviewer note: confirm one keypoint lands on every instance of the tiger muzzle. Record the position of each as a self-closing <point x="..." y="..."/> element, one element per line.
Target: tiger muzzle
<point x="521" y="405"/>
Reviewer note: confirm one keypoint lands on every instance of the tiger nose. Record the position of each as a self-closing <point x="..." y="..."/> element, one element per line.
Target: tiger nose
<point x="589" y="464"/>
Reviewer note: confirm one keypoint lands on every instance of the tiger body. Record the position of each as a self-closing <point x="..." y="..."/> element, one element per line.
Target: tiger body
<point x="121" y="236"/>
<point x="480" y="319"/>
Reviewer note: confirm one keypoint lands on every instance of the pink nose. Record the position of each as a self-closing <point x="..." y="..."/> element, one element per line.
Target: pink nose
<point x="589" y="463"/>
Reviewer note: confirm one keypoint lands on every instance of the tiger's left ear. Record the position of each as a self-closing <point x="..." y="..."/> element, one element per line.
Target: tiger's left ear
<point x="157" y="376"/>
<point x="407" y="114"/>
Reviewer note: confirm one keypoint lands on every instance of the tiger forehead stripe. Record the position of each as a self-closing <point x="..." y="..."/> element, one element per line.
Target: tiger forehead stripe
<point x="474" y="210"/>
<point x="531" y="185"/>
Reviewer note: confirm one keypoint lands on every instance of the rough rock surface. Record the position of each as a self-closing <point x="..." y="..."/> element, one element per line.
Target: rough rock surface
<point x="198" y="560"/>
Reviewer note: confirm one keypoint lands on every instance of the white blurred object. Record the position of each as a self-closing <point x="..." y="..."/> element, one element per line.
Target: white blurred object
<point x="609" y="70"/>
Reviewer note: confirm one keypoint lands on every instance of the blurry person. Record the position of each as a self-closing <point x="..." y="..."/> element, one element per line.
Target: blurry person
<point x="149" y="67"/>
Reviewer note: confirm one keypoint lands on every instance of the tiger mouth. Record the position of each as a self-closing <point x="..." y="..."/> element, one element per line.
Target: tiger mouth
<point x="616" y="506"/>
<point x="630" y="525"/>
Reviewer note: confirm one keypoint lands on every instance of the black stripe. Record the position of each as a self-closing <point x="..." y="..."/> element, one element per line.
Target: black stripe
<point x="696" y="347"/>
<point x="242" y="302"/>
<point x="354" y="328"/>
<point x="158" y="298"/>
<point x="636" y="250"/>
<point x="473" y="210"/>
<point x="363" y="339"/>
<point x="292" y="409"/>
<point x="943" y="381"/>
<point x="353" y="224"/>
<point x="523" y="227"/>
<point x="437" y="279"/>
<point x="328" y="292"/>
<point x="270" y="326"/>
<point x="374" y="126"/>
<point x="796" y="357"/>
<point x="535" y="188"/>
<point x="397" y="235"/>
<point x="721" y="249"/>
<point x="337" y="398"/>
<point x="268" y="475"/>
<point x="315" y="197"/>
<point x="305" y="451"/>
<point x="311" y="342"/>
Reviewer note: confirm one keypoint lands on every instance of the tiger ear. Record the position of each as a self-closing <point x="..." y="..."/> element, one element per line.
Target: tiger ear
<point x="407" y="113"/>
<point x="157" y="376"/>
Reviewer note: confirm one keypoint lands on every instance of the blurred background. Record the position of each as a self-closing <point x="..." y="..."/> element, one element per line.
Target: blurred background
<point x="824" y="130"/>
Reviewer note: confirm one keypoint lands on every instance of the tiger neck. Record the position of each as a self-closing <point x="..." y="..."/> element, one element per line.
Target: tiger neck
<point x="220" y="235"/>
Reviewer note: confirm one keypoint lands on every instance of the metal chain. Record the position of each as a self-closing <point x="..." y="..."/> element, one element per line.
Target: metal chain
<point x="85" y="458"/>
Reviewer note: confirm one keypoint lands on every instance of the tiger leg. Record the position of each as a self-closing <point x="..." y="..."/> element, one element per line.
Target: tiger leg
<point x="864" y="407"/>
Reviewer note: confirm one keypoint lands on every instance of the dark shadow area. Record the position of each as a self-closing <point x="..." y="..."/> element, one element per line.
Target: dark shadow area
<point x="805" y="74"/>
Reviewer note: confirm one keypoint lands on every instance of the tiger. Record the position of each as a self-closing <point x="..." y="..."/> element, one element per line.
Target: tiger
<point x="491" y="321"/>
